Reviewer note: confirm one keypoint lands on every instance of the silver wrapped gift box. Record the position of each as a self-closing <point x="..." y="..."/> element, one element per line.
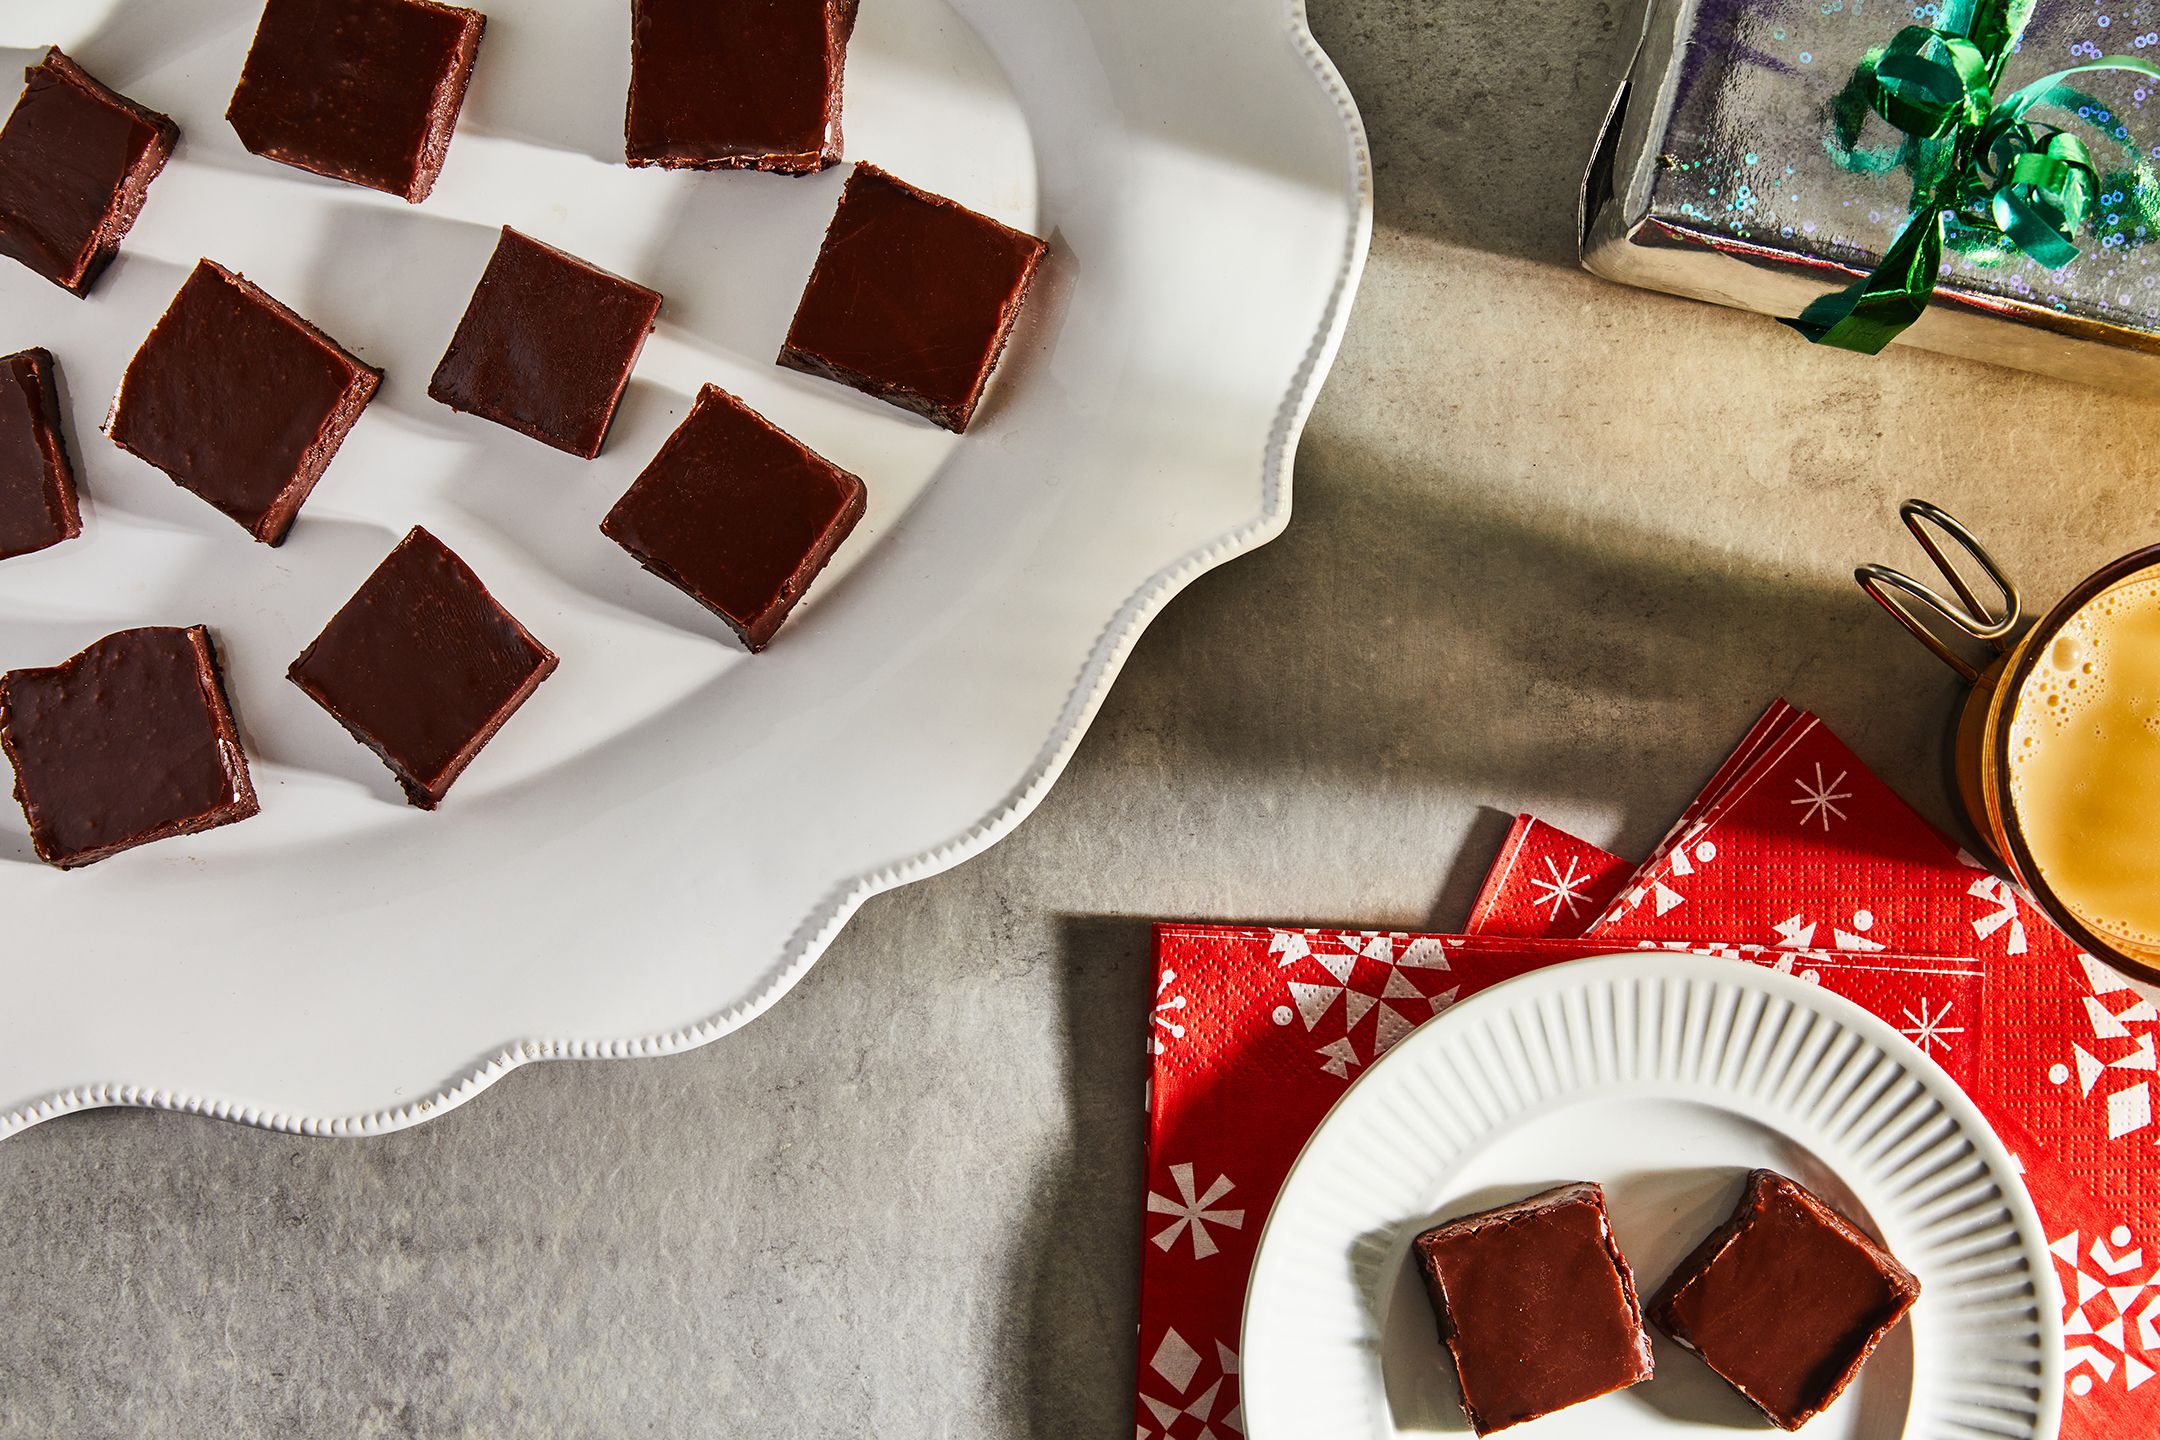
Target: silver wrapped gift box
<point x="1719" y="174"/>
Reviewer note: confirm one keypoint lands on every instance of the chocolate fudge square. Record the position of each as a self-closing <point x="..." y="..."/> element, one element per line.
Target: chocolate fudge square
<point x="76" y="162"/>
<point x="546" y="345"/>
<point x="128" y="742"/>
<point x="239" y="400"/>
<point x="912" y="298"/>
<point x="37" y="484"/>
<point x="736" y="84"/>
<point x="422" y="666"/>
<point x="1785" y="1300"/>
<point x="737" y="514"/>
<point x="1536" y="1304"/>
<point x="360" y="90"/>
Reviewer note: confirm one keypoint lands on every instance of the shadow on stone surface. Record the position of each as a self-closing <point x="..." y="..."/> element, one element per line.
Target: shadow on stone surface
<point x="1077" y="1253"/>
<point x="1466" y="873"/>
<point x="1519" y="653"/>
<point x="1481" y="118"/>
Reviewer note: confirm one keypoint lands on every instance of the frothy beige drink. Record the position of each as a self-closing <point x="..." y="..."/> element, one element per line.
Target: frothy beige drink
<point x="2085" y="763"/>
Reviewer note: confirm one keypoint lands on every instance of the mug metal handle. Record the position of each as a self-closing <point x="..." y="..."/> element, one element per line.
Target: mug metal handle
<point x="1917" y="606"/>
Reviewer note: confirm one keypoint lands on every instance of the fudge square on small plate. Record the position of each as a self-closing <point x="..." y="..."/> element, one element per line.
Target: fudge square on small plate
<point x="1785" y="1300"/>
<point x="736" y="84"/>
<point x="37" y="484"/>
<point x="76" y="162"/>
<point x="239" y="400"/>
<point x="129" y="741"/>
<point x="736" y="513"/>
<point x="360" y="90"/>
<point x="912" y="298"/>
<point x="546" y="345"/>
<point x="422" y="666"/>
<point x="1536" y="1305"/>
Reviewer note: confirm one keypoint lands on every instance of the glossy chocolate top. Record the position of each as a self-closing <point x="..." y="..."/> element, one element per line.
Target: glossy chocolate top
<point x="1536" y="1304"/>
<point x="546" y="345"/>
<point x="911" y="298"/>
<point x="1785" y="1299"/>
<point x="422" y="665"/>
<point x="359" y="90"/>
<point x="127" y="742"/>
<point x="735" y="83"/>
<point x="75" y="158"/>
<point x="738" y="513"/>
<point x="239" y="399"/>
<point x="37" y="485"/>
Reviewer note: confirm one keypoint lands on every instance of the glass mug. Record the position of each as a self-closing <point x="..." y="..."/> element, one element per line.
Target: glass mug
<point x="2058" y="744"/>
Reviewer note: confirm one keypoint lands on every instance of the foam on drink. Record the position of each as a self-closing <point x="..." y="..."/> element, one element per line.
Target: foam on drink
<point x="2085" y="763"/>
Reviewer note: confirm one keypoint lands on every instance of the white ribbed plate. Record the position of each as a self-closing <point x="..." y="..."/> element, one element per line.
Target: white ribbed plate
<point x="1665" y="1078"/>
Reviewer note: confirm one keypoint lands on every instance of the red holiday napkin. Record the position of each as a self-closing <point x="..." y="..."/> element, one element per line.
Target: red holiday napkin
<point x="1256" y="1032"/>
<point x="1795" y="856"/>
<point x="1798" y="844"/>
<point x="1546" y="884"/>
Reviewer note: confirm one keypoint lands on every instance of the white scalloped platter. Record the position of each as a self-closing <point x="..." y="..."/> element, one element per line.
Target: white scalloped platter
<point x="1665" y="1078"/>
<point x="669" y="833"/>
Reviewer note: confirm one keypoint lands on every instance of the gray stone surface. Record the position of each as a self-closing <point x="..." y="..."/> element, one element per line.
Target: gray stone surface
<point x="1556" y="544"/>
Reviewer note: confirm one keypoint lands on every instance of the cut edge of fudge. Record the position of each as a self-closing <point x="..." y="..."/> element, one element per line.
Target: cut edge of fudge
<point x="448" y="103"/>
<point x="421" y="791"/>
<point x="60" y="497"/>
<point x="134" y="188"/>
<point x="757" y="634"/>
<point x="362" y="381"/>
<point x="447" y="100"/>
<point x="240" y="802"/>
<point x="453" y="391"/>
<point x="839" y="30"/>
<point x="1531" y="1207"/>
<point x="954" y="418"/>
<point x="1760" y="1183"/>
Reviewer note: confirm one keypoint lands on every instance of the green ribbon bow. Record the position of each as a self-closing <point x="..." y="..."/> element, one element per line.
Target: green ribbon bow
<point x="1979" y="164"/>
